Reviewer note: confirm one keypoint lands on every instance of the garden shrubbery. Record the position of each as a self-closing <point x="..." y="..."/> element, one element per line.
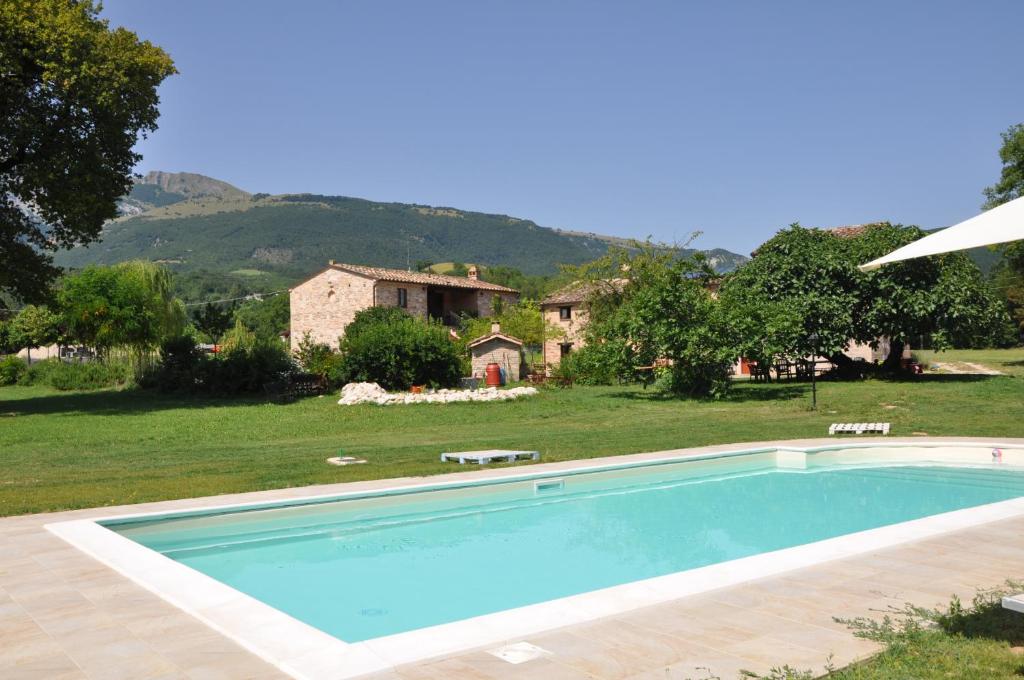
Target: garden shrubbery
<point x="319" y="359"/>
<point x="93" y="375"/>
<point x="589" y="365"/>
<point x="243" y="367"/>
<point x="397" y="352"/>
<point x="11" y="369"/>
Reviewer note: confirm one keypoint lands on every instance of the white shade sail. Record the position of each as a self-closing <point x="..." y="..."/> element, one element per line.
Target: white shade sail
<point x="998" y="225"/>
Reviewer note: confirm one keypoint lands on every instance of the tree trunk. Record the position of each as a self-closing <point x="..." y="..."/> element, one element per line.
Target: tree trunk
<point x="894" y="361"/>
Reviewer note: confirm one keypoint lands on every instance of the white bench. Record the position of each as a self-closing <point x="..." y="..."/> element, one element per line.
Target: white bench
<point x="1014" y="602"/>
<point x="858" y="428"/>
<point x="490" y="456"/>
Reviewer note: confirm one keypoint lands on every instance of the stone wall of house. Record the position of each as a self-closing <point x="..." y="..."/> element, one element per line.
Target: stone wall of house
<point x="485" y="301"/>
<point x="416" y="297"/>
<point x="506" y="354"/>
<point x="326" y="303"/>
<point x="572" y="330"/>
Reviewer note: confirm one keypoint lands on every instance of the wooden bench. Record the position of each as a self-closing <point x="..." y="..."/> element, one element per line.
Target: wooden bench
<point x="298" y="385"/>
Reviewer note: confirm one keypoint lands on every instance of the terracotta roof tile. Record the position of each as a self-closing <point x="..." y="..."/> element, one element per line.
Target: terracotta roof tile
<point x="576" y="292"/>
<point x="848" y="231"/>
<point x="402" y="276"/>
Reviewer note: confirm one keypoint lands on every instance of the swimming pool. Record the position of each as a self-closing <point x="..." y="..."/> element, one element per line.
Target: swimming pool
<point x="398" y="567"/>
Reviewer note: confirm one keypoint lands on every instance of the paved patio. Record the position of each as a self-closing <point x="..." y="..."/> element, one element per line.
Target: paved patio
<point x="64" y="615"/>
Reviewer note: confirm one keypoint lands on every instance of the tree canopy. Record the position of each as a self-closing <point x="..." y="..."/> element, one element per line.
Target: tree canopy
<point x="1009" y="276"/>
<point x="76" y="96"/>
<point x="811" y="275"/>
<point x="651" y="312"/>
<point x="127" y="305"/>
<point x="1011" y="180"/>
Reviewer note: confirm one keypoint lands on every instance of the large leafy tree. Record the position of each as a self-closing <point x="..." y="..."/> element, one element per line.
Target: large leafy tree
<point x="213" y="320"/>
<point x="267" y="317"/>
<point x="1010" y="274"/>
<point x="35" y="326"/>
<point x="75" y="96"/>
<point x="812" y="274"/>
<point x="1011" y="180"/>
<point x="127" y="305"/>
<point x="650" y="307"/>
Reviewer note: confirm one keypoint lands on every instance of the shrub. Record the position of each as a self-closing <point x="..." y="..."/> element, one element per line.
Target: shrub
<point x="179" y="368"/>
<point x="589" y="365"/>
<point x="373" y="316"/>
<point x="398" y="352"/>
<point x="11" y="369"/>
<point x="93" y="375"/>
<point x="245" y="367"/>
<point x="319" y="359"/>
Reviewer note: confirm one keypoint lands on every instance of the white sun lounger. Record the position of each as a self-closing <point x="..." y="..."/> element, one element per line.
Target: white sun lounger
<point x="858" y="428"/>
<point x="490" y="456"/>
<point x="1014" y="602"/>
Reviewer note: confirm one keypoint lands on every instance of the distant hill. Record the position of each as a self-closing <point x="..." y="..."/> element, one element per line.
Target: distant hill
<point x="192" y="223"/>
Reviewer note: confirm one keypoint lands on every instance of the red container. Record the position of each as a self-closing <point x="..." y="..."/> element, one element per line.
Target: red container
<point x="493" y="375"/>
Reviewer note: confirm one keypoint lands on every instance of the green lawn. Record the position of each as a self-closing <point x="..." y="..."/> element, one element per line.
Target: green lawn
<point x="74" y="450"/>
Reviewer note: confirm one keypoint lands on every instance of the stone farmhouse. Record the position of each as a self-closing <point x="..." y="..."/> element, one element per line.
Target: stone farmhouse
<point x="327" y="302"/>
<point x="566" y="309"/>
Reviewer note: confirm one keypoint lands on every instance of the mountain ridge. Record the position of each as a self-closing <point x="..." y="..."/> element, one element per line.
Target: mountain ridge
<point x="193" y="222"/>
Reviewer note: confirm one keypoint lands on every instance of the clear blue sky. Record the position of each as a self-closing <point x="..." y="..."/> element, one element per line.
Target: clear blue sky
<point x="627" y="118"/>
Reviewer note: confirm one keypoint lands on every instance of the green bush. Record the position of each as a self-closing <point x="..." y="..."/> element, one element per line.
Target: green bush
<point x="319" y="359"/>
<point x="179" y="368"/>
<point x="244" y="367"/>
<point x="92" y="375"/>
<point x="398" y="351"/>
<point x="589" y="365"/>
<point x="372" y="317"/>
<point x="11" y="369"/>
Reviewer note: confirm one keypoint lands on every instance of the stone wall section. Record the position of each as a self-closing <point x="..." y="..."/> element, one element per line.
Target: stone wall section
<point x="326" y="303"/>
<point x="485" y="301"/>
<point x="416" y="297"/>
<point x="571" y="328"/>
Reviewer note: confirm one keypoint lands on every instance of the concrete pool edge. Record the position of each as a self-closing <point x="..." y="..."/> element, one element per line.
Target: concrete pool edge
<point x="305" y="652"/>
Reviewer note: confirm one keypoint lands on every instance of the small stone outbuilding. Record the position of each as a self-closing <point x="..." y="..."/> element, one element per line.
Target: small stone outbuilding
<point x="498" y="348"/>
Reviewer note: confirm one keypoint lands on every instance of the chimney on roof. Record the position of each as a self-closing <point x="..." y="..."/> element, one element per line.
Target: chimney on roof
<point x="495" y="327"/>
<point x="474" y="273"/>
<point x="330" y="262"/>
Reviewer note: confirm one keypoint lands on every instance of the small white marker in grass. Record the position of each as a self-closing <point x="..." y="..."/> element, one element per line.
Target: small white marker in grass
<point x="345" y="460"/>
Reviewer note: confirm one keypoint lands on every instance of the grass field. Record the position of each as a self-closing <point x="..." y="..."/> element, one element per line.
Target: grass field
<point x="74" y="450"/>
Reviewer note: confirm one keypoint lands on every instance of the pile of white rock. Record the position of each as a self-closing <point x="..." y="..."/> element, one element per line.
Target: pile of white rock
<point x="372" y="393"/>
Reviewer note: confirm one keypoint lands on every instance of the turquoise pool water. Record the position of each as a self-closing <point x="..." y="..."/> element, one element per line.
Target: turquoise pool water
<point x="364" y="568"/>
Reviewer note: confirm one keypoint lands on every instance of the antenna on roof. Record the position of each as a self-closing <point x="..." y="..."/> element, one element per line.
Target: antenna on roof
<point x="408" y="262"/>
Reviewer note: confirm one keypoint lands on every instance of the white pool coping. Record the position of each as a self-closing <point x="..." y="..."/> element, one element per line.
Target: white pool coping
<point x="307" y="653"/>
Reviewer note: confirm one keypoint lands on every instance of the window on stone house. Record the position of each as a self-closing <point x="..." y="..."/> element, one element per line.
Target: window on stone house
<point x="403" y="297"/>
<point x="565" y="348"/>
<point x="564" y="313"/>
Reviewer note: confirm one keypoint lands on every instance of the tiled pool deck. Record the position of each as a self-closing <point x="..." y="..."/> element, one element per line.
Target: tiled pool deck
<point x="64" y="615"/>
